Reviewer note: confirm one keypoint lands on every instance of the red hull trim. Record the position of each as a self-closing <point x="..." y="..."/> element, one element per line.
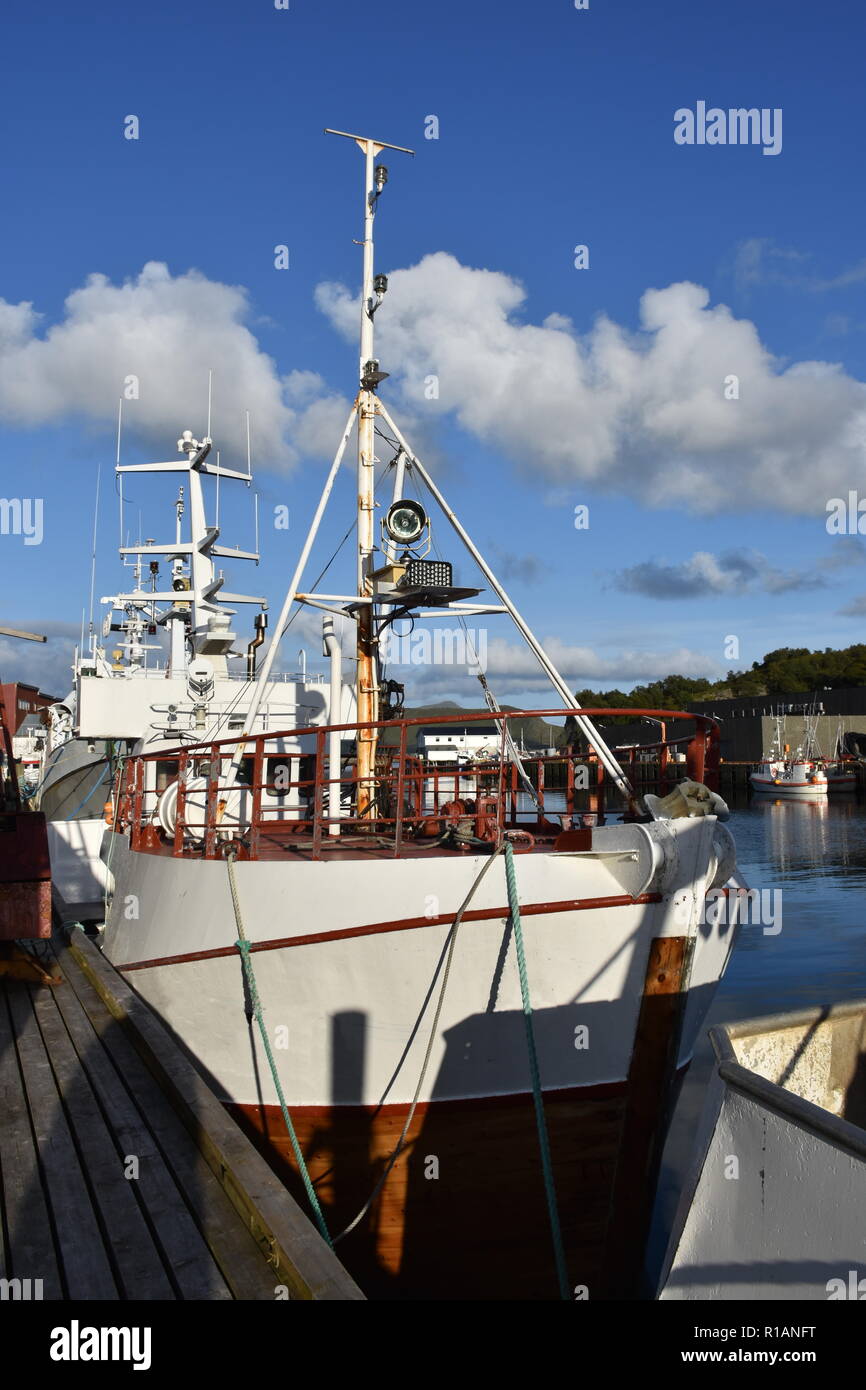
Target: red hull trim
<point x="406" y="924"/>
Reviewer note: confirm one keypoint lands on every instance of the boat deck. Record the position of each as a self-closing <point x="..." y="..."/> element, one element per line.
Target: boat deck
<point x="121" y="1175"/>
<point x="287" y="840"/>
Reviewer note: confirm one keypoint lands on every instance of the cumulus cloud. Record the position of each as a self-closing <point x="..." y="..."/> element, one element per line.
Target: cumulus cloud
<point x="734" y="572"/>
<point x="511" y="668"/>
<point x="704" y="574"/>
<point x="167" y="331"/>
<point x="643" y="413"/>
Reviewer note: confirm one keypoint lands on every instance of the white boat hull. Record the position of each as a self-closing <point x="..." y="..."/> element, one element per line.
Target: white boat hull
<point x="346" y="954"/>
<point x="808" y="791"/>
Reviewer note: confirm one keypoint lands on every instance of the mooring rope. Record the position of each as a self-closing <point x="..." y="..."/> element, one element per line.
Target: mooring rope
<point x="540" y="1121"/>
<point x="243" y="946"/>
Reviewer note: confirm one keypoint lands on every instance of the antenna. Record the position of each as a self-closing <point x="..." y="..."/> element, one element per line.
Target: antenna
<point x="249" y="457"/>
<point x="256" y="500"/>
<point x="93" y="554"/>
<point x="217" y="522"/>
<point x="209" y="396"/>
<point x="117" y="465"/>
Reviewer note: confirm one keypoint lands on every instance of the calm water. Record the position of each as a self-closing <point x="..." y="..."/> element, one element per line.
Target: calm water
<point x="815" y="855"/>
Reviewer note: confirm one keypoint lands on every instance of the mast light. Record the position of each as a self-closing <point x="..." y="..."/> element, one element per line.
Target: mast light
<point x="371" y="376"/>
<point x="405" y="521"/>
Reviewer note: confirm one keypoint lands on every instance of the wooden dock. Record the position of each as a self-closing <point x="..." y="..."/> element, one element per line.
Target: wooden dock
<point x="121" y="1175"/>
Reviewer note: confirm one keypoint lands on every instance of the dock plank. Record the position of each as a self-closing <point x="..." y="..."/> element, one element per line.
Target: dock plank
<point x="79" y="1238"/>
<point x="136" y="1260"/>
<point x="29" y="1238"/>
<point x="167" y="1143"/>
<point x="304" y="1263"/>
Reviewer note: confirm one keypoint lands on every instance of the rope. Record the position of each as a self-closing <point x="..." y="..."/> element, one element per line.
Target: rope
<point x="433" y="1030"/>
<point x="541" y="1123"/>
<point x="243" y="946"/>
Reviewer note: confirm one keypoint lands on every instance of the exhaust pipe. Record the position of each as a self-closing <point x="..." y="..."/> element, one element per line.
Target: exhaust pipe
<point x="260" y="622"/>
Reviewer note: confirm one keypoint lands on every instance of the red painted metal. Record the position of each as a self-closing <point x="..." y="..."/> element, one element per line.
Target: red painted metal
<point x="25" y="876"/>
<point x="408" y="792"/>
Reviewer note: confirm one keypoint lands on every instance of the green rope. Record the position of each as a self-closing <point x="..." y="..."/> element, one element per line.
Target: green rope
<point x="541" y="1123"/>
<point x="243" y="946"/>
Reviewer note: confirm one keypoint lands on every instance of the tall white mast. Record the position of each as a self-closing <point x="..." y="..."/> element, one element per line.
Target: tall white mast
<point x="375" y="178"/>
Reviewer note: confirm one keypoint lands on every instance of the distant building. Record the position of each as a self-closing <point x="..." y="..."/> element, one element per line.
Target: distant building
<point x="20" y="700"/>
<point x="445" y="743"/>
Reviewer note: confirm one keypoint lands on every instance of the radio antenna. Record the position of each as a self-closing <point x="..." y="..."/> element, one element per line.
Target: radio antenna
<point x="117" y="465"/>
<point x="93" y="554"/>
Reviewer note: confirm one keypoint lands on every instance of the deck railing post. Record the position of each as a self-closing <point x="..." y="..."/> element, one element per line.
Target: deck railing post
<point x="317" y="794"/>
<point x="695" y="754"/>
<point x="259" y="775"/>
<point x="210" y="815"/>
<point x="138" y="798"/>
<point x="180" y="813"/>
<point x="500" y="799"/>
<point x="401" y="778"/>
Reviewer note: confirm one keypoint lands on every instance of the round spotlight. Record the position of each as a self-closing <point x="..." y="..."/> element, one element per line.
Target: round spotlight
<point x="405" y="521"/>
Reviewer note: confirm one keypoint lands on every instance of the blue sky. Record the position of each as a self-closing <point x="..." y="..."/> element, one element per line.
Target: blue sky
<point x="555" y="129"/>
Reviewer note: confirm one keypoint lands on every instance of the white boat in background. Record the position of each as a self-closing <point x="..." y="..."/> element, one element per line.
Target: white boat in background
<point x="456" y="982"/>
<point x="798" y="775"/>
<point x="132" y="688"/>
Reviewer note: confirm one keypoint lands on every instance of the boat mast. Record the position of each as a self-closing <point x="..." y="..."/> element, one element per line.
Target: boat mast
<point x="369" y="376"/>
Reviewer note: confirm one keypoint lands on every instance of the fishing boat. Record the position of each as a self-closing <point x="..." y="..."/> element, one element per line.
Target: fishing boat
<point x="786" y="774"/>
<point x="455" y="1018"/>
<point x="841" y="769"/>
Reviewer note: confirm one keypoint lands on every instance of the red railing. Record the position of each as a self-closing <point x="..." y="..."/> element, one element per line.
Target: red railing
<point x="286" y="796"/>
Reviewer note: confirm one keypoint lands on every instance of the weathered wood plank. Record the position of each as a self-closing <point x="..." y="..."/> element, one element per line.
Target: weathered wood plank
<point x="132" y="1252"/>
<point x="30" y="1252"/>
<point x="169" y="1159"/>
<point x="79" y="1239"/>
<point x="303" y="1261"/>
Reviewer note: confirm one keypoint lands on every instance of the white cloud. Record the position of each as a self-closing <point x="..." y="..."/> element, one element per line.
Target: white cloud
<point x="512" y="669"/>
<point x="642" y="413"/>
<point x="168" y="331"/>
